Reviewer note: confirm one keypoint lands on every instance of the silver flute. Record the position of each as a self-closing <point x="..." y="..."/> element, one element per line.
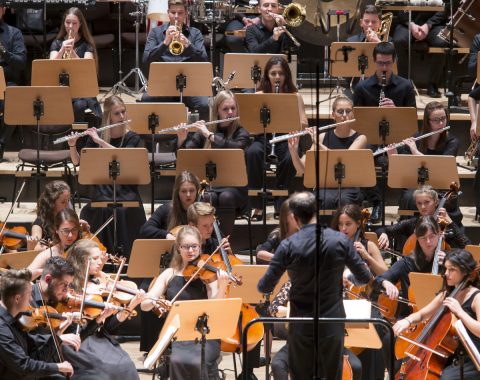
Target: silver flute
<point x="378" y="152"/>
<point x="84" y="133"/>
<point x="305" y="131"/>
<point x="188" y="126"/>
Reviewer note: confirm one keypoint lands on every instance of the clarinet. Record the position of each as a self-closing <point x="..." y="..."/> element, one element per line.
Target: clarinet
<point x="382" y="90"/>
<point x="272" y="157"/>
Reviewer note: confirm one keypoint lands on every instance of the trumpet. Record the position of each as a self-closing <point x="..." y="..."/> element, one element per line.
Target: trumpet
<point x="176" y="47"/>
<point x="67" y="54"/>
<point x="188" y="126"/>
<point x="84" y="133"/>
<point x="378" y="152"/>
<point x="305" y="131"/>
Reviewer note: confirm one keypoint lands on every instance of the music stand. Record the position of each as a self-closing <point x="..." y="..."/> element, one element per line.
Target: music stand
<point x="277" y="112"/>
<point x="17" y="260"/>
<point x="44" y="105"/>
<point x="248" y="68"/>
<point x="407" y="171"/>
<point x="193" y="321"/>
<point x="147" y="257"/>
<point x="149" y="118"/>
<point x="475" y="251"/>
<point x="114" y="166"/>
<point x="425" y="287"/>
<point x="357" y="334"/>
<point x="180" y="79"/>
<point x="3" y="85"/>
<point x="78" y="73"/>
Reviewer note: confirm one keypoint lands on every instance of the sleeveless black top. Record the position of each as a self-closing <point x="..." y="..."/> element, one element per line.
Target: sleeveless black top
<point x="467" y="306"/>
<point x="195" y="291"/>
<point x="332" y="141"/>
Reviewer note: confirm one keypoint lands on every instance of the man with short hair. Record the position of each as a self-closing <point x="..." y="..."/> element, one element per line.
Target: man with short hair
<point x="296" y="255"/>
<point x="202" y="216"/>
<point x="370" y="23"/>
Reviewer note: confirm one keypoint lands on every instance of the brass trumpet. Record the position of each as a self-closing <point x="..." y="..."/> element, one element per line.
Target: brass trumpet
<point x="176" y="47"/>
<point x="68" y="53"/>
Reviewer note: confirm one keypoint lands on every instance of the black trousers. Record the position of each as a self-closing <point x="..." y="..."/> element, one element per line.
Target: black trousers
<point x="452" y="372"/>
<point x="199" y="103"/>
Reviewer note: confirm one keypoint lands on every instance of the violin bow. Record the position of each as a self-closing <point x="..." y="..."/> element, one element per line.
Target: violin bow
<point x="10" y="212"/>
<point x="85" y="283"/>
<point x="122" y="263"/>
<point x="101" y="228"/>
<point x="198" y="271"/>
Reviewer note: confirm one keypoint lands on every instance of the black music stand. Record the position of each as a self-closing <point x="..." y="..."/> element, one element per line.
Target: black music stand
<point x="114" y="166"/>
<point x="277" y="112"/>
<point x="157" y="116"/>
<point x="147" y="259"/>
<point x="180" y="79"/>
<point x="42" y="105"/>
<point x="248" y="68"/>
<point x="78" y="73"/>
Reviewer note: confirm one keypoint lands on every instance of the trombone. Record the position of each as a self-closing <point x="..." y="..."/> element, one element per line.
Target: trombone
<point x="294" y="15"/>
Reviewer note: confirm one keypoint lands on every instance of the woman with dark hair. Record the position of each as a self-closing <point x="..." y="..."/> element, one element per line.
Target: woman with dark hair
<point x="66" y="232"/>
<point x="348" y="220"/>
<point x="129" y="219"/>
<point x="460" y="269"/>
<point x="74" y="40"/>
<point x="277" y="78"/>
<point x="173" y="213"/>
<point x="229" y="201"/>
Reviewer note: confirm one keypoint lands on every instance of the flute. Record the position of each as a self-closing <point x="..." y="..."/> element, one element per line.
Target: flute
<point x="398" y="145"/>
<point x="188" y="126"/>
<point x="305" y="131"/>
<point x="81" y="134"/>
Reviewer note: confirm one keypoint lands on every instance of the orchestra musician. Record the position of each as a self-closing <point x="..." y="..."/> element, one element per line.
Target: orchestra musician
<point x="129" y="219"/>
<point x="74" y="40"/>
<point x="66" y="232"/>
<point x="229" y="201"/>
<point x="276" y="75"/>
<point x="370" y="24"/>
<point x="426" y="200"/>
<point x="100" y="354"/>
<point x="297" y="255"/>
<point x="460" y="266"/>
<point x="157" y="49"/>
<point x="342" y="137"/>
<point x="13" y="59"/>
<point x="185" y="356"/>
<point x="19" y="350"/>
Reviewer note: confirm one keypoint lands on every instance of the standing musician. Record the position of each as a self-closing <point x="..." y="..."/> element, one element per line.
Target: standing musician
<point x="342" y="137"/>
<point x="276" y="75"/>
<point x="66" y="232"/>
<point x="297" y="255"/>
<point x="185" y="357"/>
<point x="465" y="306"/>
<point x="18" y="349"/>
<point x="158" y="49"/>
<point x="268" y="36"/>
<point x="229" y="201"/>
<point x="348" y="220"/>
<point x="426" y="200"/>
<point x="174" y="213"/>
<point x="130" y="219"/>
<point x="100" y="354"/>
<point x="13" y="59"/>
<point x="74" y="40"/>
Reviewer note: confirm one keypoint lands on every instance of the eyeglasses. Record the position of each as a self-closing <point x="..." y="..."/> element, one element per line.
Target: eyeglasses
<point x="346" y="111"/>
<point x="438" y="120"/>
<point x="429" y="237"/>
<point x="384" y="63"/>
<point x="194" y="247"/>
<point x="66" y="231"/>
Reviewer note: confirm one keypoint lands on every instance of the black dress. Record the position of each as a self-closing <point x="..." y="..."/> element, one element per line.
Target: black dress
<point x="130" y="219"/>
<point x="185" y="356"/>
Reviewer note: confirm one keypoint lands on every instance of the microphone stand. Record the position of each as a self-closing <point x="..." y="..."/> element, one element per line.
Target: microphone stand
<point x="450" y="54"/>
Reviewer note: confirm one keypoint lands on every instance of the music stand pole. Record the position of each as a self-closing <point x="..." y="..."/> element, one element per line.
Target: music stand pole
<point x="38" y="113"/>
<point x="265" y="120"/>
<point x="451" y="52"/>
<point x="153" y="123"/>
<point x="113" y="173"/>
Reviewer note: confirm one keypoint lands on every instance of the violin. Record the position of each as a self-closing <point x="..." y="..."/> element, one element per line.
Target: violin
<point x="208" y="273"/>
<point x="93" y="305"/>
<point x="12" y="238"/>
<point x="36" y="317"/>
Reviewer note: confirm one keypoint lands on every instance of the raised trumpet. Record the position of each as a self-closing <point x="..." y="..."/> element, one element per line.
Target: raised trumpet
<point x="188" y="126"/>
<point x="305" y="131"/>
<point x="176" y="47"/>
<point x="68" y="53"/>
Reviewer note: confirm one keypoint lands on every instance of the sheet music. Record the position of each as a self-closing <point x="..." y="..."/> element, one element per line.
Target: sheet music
<point x="468" y="343"/>
<point x="160" y="347"/>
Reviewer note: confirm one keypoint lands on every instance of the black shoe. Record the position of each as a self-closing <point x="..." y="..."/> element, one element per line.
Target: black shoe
<point x="432" y="91"/>
<point x="376" y="215"/>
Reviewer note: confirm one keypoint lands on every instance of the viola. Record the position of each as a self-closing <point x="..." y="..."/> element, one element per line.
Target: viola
<point x="12" y="238"/>
<point x="209" y="271"/>
<point x="93" y="305"/>
<point x="347" y="373"/>
<point x="36" y="317"/>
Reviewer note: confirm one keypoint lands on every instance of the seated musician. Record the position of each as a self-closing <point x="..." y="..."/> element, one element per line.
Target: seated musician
<point x="229" y="134"/>
<point x="74" y="40"/>
<point x="185" y="357"/>
<point x="342" y="137"/>
<point x="276" y="78"/>
<point x="370" y="24"/>
<point x="100" y="355"/>
<point x="66" y="232"/>
<point x="157" y="49"/>
<point x="13" y="59"/>
<point x="460" y="268"/>
<point x="239" y="22"/>
<point x="287" y="227"/>
<point x="424" y="28"/>
<point x="174" y="213"/>
<point x="426" y="200"/>
<point x="19" y="349"/>
<point x="129" y="219"/>
<point x="201" y="215"/>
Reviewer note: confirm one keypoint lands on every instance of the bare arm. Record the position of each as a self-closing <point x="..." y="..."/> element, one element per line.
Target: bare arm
<point x="158" y="289"/>
<point x="359" y="143"/>
<point x="37" y="265"/>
